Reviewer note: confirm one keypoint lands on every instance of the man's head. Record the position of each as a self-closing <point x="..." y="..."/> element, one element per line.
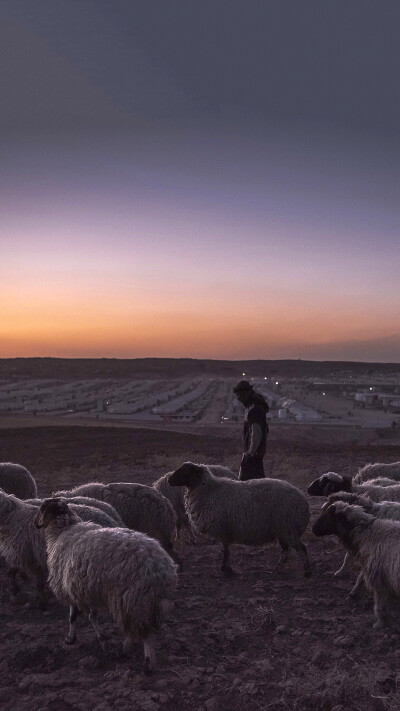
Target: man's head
<point x="243" y="390"/>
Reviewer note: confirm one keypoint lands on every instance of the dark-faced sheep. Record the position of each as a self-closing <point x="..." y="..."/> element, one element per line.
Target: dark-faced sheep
<point x="175" y="494"/>
<point x="382" y="509"/>
<point x="251" y="512"/>
<point x="331" y="483"/>
<point x="123" y="572"/>
<point x="23" y="546"/>
<point x="374" y="544"/>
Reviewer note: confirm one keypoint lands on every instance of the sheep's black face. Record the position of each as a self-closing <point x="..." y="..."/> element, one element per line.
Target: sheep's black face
<point x="315" y="488"/>
<point x="340" y="519"/>
<point x="326" y="484"/>
<point x="188" y="474"/>
<point x="50" y="510"/>
<point x="326" y="524"/>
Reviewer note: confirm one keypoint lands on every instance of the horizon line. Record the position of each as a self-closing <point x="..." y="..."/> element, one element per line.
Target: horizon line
<point x="191" y="358"/>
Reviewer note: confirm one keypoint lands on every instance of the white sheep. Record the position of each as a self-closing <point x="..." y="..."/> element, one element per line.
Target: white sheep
<point x="123" y="572"/>
<point x="374" y="543"/>
<point x="331" y="482"/>
<point x="23" y="546"/>
<point x="16" y="479"/>
<point x="382" y="509"/>
<point x="373" y="471"/>
<point x="251" y="512"/>
<point x="175" y="494"/>
<point x="141" y="508"/>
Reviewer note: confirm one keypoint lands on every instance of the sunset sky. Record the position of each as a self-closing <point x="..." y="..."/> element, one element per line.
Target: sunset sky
<point x="209" y="178"/>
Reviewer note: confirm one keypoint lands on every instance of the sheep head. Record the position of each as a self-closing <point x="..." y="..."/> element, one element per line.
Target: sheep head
<point x="53" y="511"/>
<point x="327" y="523"/>
<point x="340" y="519"/>
<point x="329" y="483"/>
<point x="188" y="474"/>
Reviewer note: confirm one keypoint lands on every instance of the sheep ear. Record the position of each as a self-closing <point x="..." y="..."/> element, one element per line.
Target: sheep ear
<point x="38" y="520"/>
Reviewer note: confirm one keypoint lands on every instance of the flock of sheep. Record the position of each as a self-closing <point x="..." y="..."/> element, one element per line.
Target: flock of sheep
<point x="111" y="546"/>
<point x="364" y="513"/>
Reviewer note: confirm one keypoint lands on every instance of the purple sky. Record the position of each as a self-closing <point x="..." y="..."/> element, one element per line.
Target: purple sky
<point x="158" y="199"/>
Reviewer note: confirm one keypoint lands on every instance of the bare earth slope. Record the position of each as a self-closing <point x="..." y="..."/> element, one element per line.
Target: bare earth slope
<point x="262" y="641"/>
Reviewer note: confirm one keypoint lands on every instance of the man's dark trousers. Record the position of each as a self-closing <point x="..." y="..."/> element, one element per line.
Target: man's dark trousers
<point x="251" y="467"/>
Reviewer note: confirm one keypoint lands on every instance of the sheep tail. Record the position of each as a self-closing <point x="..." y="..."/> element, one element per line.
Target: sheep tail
<point x="144" y="618"/>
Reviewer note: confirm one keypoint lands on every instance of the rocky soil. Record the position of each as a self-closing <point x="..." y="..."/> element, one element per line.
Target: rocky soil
<point x="260" y="641"/>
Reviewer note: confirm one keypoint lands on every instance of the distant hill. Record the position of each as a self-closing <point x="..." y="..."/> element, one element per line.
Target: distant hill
<point x="182" y="367"/>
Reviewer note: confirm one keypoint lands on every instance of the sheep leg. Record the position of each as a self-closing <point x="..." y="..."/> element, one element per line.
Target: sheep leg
<point x="192" y="537"/>
<point x="226" y="568"/>
<point x="41" y="589"/>
<point x="284" y="555"/>
<point x="12" y="575"/>
<point x="178" y="530"/>
<point x="383" y="615"/>
<point x="127" y="646"/>
<point x="355" y="591"/>
<point x="149" y="654"/>
<point x="74" y="611"/>
<point x="189" y="529"/>
<point x="380" y="609"/>
<point x="98" y="632"/>
<point x="343" y="566"/>
<point x="301" y="551"/>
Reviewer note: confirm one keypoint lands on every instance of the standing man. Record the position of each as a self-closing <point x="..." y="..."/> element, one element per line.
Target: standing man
<point x="255" y="430"/>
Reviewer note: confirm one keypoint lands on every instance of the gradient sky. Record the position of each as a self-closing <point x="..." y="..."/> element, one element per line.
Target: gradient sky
<point x="217" y="178"/>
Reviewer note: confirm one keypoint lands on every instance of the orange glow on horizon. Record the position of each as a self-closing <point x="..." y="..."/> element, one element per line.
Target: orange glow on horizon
<point x="75" y="324"/>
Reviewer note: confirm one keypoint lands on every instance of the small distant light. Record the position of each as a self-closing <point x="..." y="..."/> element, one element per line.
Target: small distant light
<point x="323" y="393"/>
<point x="265" y="377"/>
<point x="243" y="373"/>
<point x="370" y="388"/>
<point x="276" y="382"/>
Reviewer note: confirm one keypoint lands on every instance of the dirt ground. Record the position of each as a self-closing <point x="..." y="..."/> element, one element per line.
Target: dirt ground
<point x="260" y="641"/>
